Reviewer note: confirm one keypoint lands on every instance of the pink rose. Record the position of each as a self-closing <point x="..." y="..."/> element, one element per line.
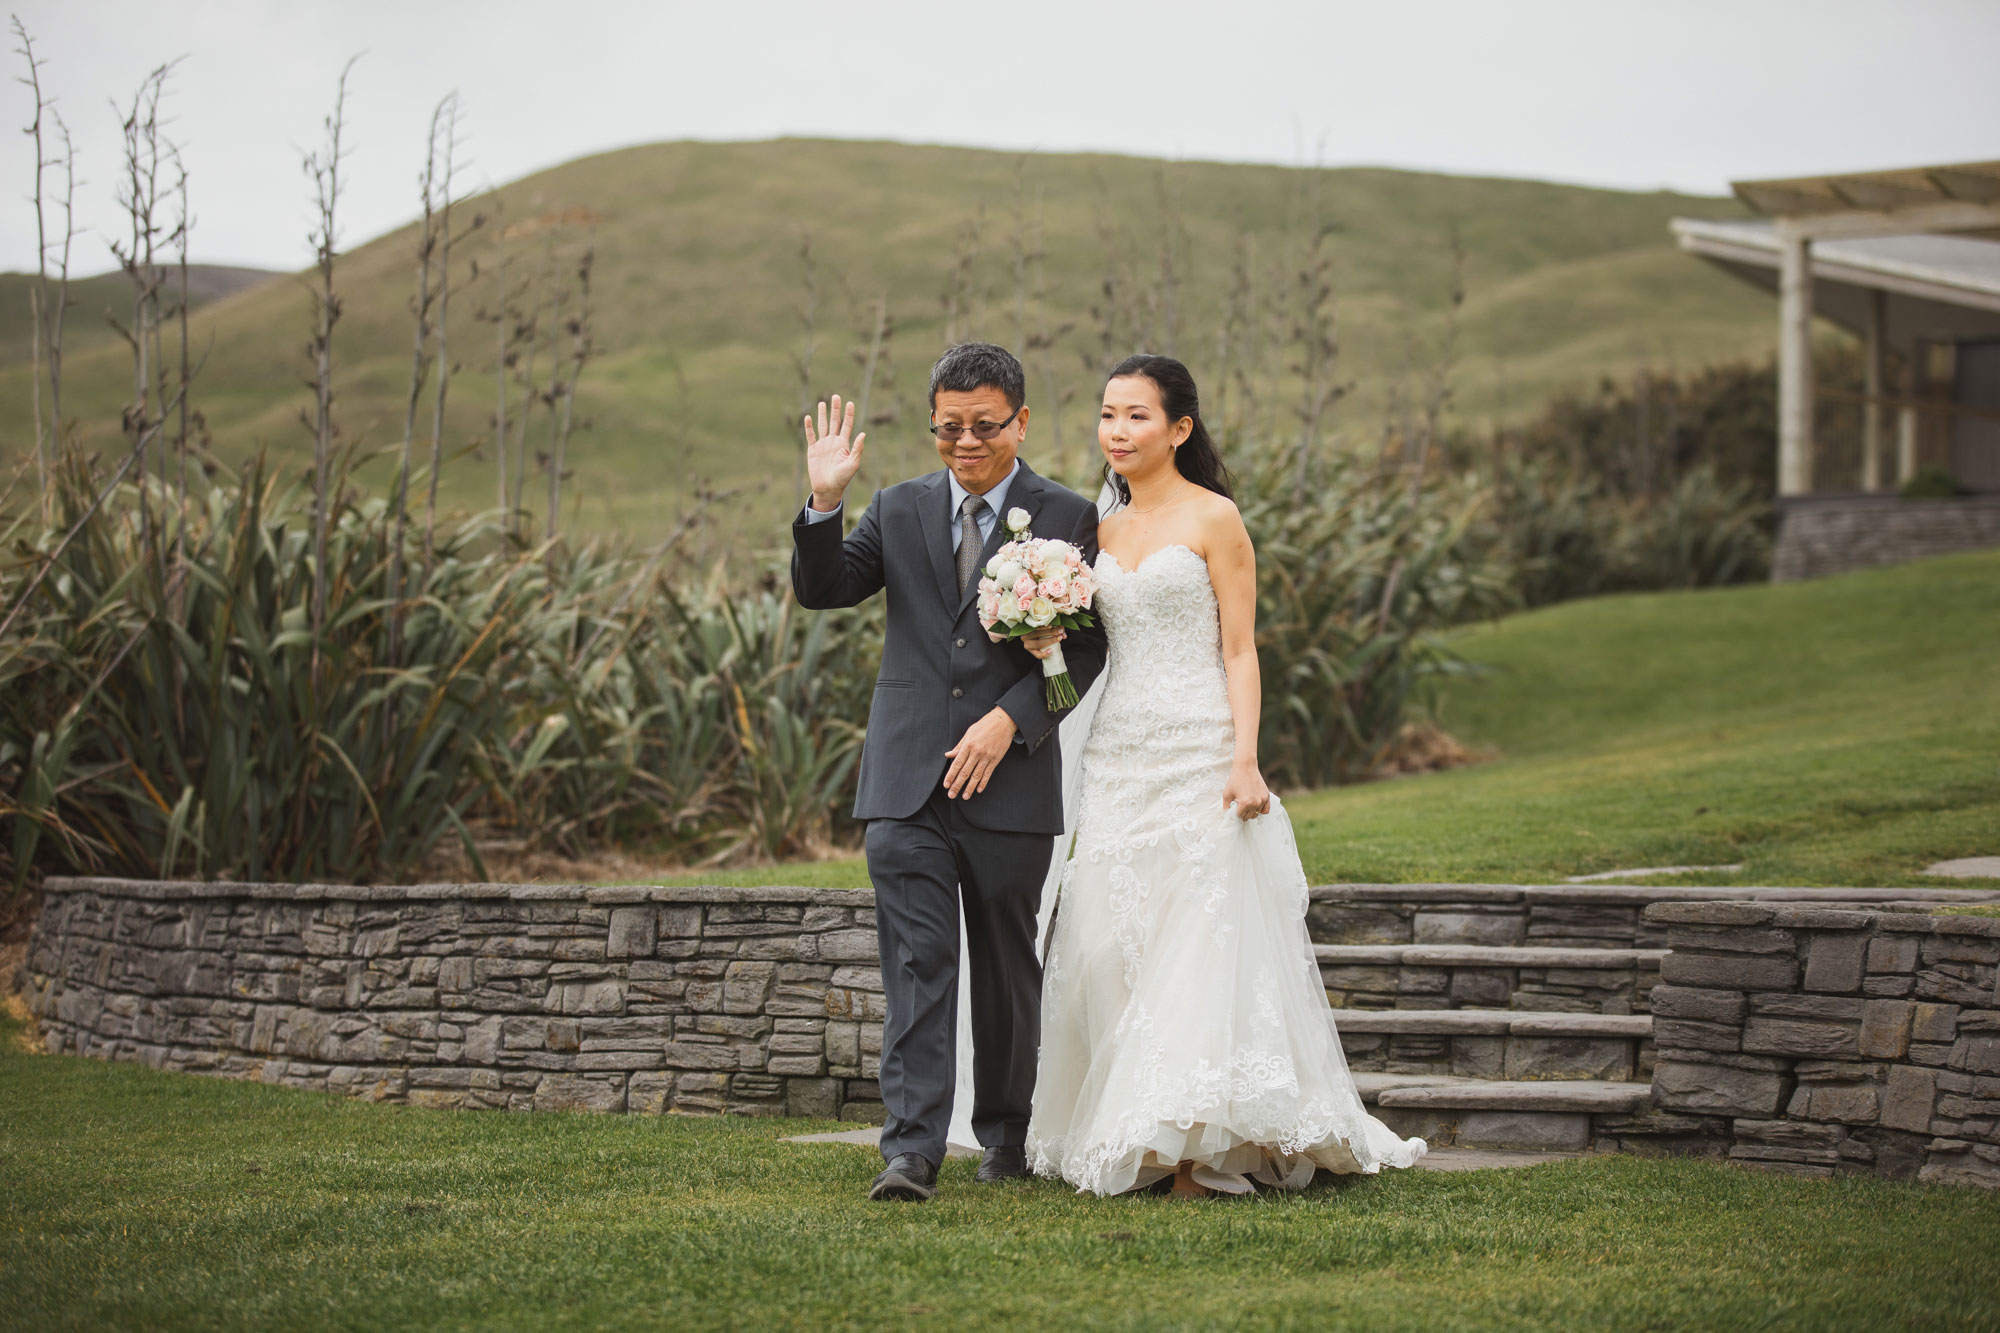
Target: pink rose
<point x="989" y="606"/>
<point x="1024" y="588"/>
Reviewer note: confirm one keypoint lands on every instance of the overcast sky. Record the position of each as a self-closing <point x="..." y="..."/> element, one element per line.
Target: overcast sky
<point x="1635" y="94"/>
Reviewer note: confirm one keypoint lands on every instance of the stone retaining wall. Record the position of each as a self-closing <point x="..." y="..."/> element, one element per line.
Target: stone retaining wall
<point x="762" y="1001"/>
<point x="1834" y="1041"/>
<point x="1820" y="535"/>
<point x="1797" y="1036"/>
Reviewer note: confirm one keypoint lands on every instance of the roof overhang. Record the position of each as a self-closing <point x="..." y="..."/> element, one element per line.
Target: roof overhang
<point x="1938" y="287"/>
<point x="1930" y="277"/>
<point x="1961" y="197"/>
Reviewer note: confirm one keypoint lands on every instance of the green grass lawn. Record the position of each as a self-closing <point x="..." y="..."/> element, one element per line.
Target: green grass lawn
<point x="1844" y="731"/>
<point x="131" y="1198"/>
<point x="1841" y="732"/>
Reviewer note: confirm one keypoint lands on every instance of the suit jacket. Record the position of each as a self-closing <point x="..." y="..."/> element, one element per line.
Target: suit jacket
<point x="940" y="673"/>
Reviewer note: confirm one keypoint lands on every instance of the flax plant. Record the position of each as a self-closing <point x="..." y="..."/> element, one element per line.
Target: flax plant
<point x="172" y="727"/>
<point x="1354" y="591"/>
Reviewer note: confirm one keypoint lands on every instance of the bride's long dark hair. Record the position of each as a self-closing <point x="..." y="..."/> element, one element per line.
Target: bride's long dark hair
<point x="1196" y="459"/>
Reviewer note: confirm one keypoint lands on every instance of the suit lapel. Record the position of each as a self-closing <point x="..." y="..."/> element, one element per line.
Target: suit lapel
<point x="1025" y="493"/>
<point x="936" y="525"/>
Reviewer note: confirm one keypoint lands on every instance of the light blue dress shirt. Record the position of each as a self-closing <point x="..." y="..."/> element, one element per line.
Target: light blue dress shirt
<point x="996" y="505"/>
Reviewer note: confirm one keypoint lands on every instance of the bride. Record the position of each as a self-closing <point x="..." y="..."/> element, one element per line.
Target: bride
<point x="1186" y="1036"/>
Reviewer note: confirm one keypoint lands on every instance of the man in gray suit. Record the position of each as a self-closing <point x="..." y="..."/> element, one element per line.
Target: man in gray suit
<point x="961" y="778"/>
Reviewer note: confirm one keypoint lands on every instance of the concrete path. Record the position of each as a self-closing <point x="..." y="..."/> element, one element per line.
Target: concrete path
<point x="1437" y="1159"/>
<point x="868" y="1136"/>
<point x="1968" y="867"/>
<point x="1609" y="875"/>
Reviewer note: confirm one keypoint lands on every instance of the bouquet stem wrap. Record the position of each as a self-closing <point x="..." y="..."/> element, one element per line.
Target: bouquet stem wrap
<point x="1060" y="689"/>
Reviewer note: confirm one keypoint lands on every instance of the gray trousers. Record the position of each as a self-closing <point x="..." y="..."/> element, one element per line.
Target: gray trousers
<point x="924" y="868"/>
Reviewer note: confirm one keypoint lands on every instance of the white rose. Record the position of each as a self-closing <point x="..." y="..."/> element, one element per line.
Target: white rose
<point x="1017" y="520"/>
<point x="1011" y="613"/>
<point x="1040" y="612"/>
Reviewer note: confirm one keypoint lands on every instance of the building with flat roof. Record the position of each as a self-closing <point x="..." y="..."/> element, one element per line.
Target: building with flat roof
<point x="1909" y="262"/>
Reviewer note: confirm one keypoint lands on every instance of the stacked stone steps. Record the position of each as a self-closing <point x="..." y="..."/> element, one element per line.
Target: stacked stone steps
<point x="1495" y="1016"/>
<point x="1499" y="1043"/>
<point x="1479" y="955"/>
<point x="1430" y="976"/>
<point x="1564" y="1116"/>
<point x="1497" y="1023"/>
<point x="1449" y="1092"/>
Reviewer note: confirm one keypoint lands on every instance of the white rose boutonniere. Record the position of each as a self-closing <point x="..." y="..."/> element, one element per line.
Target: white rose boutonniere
<point x="1017" y="521"/>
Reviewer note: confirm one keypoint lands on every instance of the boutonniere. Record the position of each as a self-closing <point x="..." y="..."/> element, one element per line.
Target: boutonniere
<point x="1018" y="520"/>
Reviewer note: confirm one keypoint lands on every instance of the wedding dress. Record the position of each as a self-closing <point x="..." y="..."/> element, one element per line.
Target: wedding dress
<point x="1183" y="1016"/>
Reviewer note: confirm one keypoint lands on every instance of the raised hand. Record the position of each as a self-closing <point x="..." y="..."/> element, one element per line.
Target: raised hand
<point x="832" y="457"/>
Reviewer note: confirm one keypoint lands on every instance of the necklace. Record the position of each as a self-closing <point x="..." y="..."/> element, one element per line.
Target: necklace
<point x="1162" y="504"/>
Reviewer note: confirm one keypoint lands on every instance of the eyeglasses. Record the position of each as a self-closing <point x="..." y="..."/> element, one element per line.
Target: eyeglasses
<point x="982" y="430"/>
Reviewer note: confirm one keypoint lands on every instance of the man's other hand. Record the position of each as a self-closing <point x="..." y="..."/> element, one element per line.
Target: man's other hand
<point x="977" y="753"/>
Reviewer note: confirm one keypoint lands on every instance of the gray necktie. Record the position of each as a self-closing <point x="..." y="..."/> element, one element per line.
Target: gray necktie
<point x="969" y="541"/>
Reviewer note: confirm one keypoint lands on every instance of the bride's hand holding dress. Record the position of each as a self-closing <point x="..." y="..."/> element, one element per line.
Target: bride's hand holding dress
<point x="1232" y="573"/>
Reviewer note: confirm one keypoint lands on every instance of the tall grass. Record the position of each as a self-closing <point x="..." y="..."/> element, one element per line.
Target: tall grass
<point x="168" y="709"/>
<point x="1358" y="573"/>
<point x="723" y="723"/>
<point x="168" y="715"/>
<point x="1562" y="534"/>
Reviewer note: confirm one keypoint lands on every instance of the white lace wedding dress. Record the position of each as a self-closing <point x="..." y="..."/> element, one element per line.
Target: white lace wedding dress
<point x="1183" y="1017"/>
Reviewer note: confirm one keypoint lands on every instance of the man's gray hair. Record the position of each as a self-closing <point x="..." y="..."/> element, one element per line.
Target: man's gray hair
<point x="972" y="366"/>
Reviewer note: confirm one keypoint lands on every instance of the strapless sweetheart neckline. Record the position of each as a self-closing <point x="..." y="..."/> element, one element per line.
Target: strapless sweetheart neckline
<point x="1156" y="551"/>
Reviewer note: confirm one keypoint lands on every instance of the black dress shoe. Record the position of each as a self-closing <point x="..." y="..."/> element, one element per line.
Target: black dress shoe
<point x="1004" y="1163"/>
<point x="909" y="1178"/>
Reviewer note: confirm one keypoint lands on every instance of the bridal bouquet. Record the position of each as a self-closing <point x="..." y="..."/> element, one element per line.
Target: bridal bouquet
<point x="1032" y="583"/>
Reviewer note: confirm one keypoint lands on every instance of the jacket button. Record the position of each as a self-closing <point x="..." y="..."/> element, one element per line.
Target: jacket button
<point x="957" y="693"/>
<point x="961" y="643"/>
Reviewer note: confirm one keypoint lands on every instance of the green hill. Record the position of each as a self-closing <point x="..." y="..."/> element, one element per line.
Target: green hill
<point x="95" y="301"/>
<point x="700" y="285"/>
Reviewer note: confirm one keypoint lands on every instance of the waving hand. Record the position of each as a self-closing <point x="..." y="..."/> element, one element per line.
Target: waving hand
<point x="832" y="457"/>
